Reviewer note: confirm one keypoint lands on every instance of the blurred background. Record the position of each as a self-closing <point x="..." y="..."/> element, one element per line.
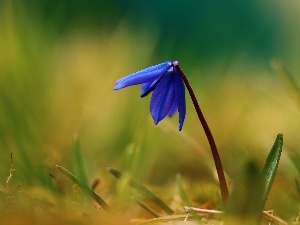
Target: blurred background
<point x="59" y="61"/>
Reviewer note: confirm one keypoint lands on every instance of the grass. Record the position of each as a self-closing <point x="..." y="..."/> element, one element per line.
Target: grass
<point x="57" y="107"/>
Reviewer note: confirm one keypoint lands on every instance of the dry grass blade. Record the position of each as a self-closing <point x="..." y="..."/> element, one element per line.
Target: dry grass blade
<point x="271" y="217"/>
<point x="203" y="211"/>
<point x="180" y="217"/>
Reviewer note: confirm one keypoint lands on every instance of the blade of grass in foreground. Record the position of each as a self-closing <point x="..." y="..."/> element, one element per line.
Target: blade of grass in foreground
<point x="269" y="170"/>
<point x="251" y="190"/>
<point x="143" y="190"/>
<point x="78" y="162"/>
<point x="147" y="208"/>
<point x="182" y="192"/>
<point x="84" y="187"/>
<point x="295" y="157"/>
<point x="246" y="198"/>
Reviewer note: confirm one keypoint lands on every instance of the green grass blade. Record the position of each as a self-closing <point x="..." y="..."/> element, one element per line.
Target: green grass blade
<point x="250" y="191"/>
<point x="297" y="186"/>
<point x="147" y="208"/>
<point x="78" y="162"/>
<point x="269" y="169"/>
<point x="182" y="192"/>
<point x="143" y="190"/>
<point x="287" y="79"/>
<point x="84" y="187"/>
<point x="296" y="160"/>
<point x="246" y="198"/>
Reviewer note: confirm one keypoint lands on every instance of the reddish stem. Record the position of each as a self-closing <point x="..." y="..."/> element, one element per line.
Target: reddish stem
<point x="211" y="141"/>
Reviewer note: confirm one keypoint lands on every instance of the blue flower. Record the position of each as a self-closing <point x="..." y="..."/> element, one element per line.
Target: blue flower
<point x="168" y="90"/>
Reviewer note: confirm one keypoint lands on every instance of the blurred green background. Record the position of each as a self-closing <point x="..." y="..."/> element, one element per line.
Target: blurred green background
<point x="59" y="61"/>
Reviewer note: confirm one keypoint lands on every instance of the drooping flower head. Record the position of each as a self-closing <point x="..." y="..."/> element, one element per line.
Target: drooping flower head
<point x="167" y="86"/>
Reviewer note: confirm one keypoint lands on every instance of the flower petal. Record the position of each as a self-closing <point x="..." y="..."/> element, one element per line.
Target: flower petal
<point x="163" y="97"/>
<point x="145" y="86"/>
<point x="180" y="97"/>
<point x="150" y="86"/>
<point x="174" y="107"/>
<point x="143" y="76"/>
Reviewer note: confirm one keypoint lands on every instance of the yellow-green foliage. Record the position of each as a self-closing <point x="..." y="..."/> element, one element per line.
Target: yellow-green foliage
<point x="56" y="87"/>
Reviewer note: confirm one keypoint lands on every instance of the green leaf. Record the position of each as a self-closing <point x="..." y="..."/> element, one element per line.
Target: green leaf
<point x="143" y="190"/>
<point x="83" y="186"/>
<point x="250" y="190"/>
<point x="246" y="199"/>
<point x="269" y="170"/>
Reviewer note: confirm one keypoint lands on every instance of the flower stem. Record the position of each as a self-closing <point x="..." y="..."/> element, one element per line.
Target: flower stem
<point x="210" y="138"/>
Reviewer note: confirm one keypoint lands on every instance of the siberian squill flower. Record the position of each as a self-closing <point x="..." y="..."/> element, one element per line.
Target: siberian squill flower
<point x="167" y="86"/>
<point x="168" y="82"/>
